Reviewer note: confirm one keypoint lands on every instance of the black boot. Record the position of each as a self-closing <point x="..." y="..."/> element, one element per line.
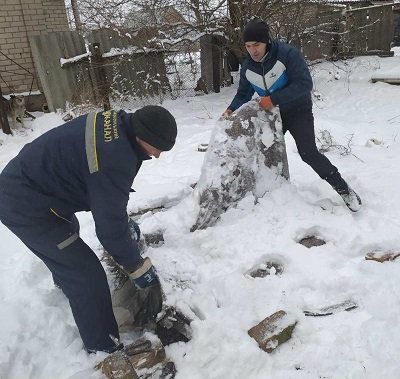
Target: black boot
<point x="349" y="196"/>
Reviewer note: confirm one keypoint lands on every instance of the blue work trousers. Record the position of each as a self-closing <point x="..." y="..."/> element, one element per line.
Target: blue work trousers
<point x="75" y="269"/>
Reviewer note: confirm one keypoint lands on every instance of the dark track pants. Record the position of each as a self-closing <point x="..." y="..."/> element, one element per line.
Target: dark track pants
<point x="76" y="270"/>
<point x="300" y="123"/>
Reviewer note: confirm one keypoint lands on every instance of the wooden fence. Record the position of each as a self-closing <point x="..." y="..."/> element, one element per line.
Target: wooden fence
<point x="114" y="71"/>
<point x="109" y="69"/>
<point x="340" y="34"/>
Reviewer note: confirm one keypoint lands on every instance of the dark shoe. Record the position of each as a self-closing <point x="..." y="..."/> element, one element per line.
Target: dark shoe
<point x="351" y="199"/>
<point x="118" y="346"/>
<point x="348" y="195"/>
<point x="337" y="182"/>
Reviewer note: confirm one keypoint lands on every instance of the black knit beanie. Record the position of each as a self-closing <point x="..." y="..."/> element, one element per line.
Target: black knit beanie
<point x="256" y="30"/>
<point x="156" y="126"/>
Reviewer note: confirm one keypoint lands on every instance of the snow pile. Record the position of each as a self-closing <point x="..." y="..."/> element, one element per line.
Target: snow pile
<point x="204" y="273"/>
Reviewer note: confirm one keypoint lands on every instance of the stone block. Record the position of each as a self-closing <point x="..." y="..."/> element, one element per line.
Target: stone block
<point x="273" y="331"/>
<point x="126" y="363"/>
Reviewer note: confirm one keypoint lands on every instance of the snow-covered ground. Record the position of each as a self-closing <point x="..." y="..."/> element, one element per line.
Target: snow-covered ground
<point x="38" y="337"/>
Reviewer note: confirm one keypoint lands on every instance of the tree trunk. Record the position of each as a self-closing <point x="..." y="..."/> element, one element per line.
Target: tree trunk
<point x="77" y="17"/>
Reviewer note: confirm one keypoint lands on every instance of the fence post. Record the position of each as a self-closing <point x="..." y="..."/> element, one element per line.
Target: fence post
<point x="216" y="59"/>
<point x="103" y="87"/>
<point x="210" y="60"/>
<point x="4" y="125"/>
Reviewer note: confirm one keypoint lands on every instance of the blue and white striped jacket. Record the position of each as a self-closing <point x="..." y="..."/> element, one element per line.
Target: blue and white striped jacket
<point x="283" y="75"/>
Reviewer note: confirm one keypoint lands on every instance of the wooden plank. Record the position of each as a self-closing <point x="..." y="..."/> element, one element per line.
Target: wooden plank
<point x="386" y="80"/>
<point x="206" y="61"/>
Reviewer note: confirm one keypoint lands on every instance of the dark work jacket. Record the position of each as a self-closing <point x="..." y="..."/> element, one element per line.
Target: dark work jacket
<point x="78" y="166"/>
<point x="283" y="75"/>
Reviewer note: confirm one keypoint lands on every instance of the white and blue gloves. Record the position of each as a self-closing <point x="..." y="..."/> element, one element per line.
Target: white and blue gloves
<point x="146" y="281"/>
<point x="144" y="275"/>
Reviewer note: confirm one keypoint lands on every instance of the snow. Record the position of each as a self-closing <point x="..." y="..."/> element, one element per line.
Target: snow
<point x="390" y="75"/>
<point x="77" y="58"/>
<point x="38" y="337"/>
<point x="31" y="93"/>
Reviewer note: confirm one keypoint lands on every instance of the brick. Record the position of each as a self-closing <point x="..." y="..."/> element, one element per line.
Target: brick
<point x="273" y="331"/>
<point x="38" y="7"/>
<point x="13" y="3"/>
<point x="21" y="45"/>
<point x="12" y="31"/>
<point x="7" y="8"/>
<point x="14" y="13"/>
<point x="15" y="41"/>
<point x="18" y="34"/>
<point x="31" y="12"/>
<point x="18" y="23"/>
<point x="32" y="22"/>
<point x="14" y="52"/>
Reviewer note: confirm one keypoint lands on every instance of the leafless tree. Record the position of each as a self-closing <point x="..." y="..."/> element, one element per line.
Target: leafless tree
<point x="77" y="16"/>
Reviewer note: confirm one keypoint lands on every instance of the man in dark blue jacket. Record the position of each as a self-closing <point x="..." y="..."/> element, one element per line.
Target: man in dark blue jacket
<point x="279" y="74"/>
<point x="87" y="164"/>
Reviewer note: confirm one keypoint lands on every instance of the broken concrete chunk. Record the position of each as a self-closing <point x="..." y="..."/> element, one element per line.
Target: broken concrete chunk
<point x="118" y="367"/>
<point x="125" y="363"/>
<point x="173" y="327"/>
<point x="311" y="241"/>
<point x="382" y="256"/>
<point x="202" y="147"/>
<point x="168" y="371"/>
<point x="246" y="155"/>
<point x="273" y="331"/>
<point x="264" y="269"/>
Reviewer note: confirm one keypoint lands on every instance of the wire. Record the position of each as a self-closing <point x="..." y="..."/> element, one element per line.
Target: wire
<point x="6" y="84"/>
<point x="13" y="61"/>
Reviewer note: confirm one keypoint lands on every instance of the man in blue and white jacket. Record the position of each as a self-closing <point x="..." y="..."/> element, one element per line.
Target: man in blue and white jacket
<point x="279" y="74"/>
